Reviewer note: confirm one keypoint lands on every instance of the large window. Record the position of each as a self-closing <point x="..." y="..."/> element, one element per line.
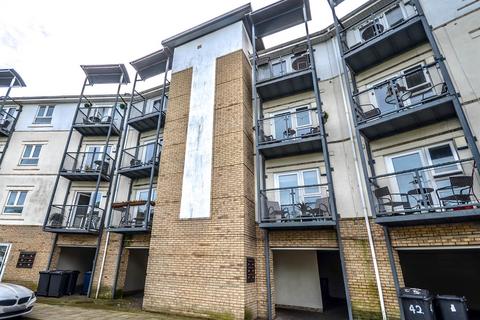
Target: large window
<point x="15" y="202"/>
<point x="44" y="115"/>
<point x="31" y="154"/>
<point x="298" y="187"/>
<point x="4" y="251"/>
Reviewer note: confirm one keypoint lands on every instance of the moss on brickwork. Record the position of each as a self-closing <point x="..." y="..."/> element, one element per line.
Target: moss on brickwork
<point x="248" y="314"/>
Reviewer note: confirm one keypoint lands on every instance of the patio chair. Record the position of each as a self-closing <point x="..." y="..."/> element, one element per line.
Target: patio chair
<point x="372" y="113"/>
<point x="266" y="138"/>
<point x="4" y="123"/>
<point x="275" y="211"/>
<point x="460" y="191"/>
<point x="385" y="199"/>
<point x="321" y="209"/>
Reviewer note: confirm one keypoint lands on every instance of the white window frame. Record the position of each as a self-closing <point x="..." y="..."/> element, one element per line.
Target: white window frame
<point x="426" y="161"/>
<point x="44" y="116"/>
<point x="309" y="112"/>
<point x="292" y="111"/>
<point x="30" y="156"/>
<point x="300" y="182"/>
<point x="3" y="265"/>
<point x="15" y="205"/>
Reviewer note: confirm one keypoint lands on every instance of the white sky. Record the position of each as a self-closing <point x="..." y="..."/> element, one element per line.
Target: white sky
<point x="46" y="41"/>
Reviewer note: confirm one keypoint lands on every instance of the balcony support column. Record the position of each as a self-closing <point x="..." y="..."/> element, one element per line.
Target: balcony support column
<point x="469" y="136"/>
<point x="57" y="179"/>
<point x="326" y="157"/>
<point x="266" y="240"/>
<point x="393" y="268"/>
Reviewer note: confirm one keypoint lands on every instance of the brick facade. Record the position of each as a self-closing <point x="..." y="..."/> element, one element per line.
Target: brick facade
<point x="25" y="238"/>
<point x="194" y="264"/>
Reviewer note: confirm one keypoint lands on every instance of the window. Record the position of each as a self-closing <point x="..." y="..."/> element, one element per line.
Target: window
<point x="298" y="187"/>
<point x="4" y="251"/>
<point x="7" y="113"/>
<point x="44" y="115"/>
<point x="93" y="157"/>
<point x="31" y="154"/>
<point x="279" y="68"/>
<point x="303" y="119"/>
<point x="394" y="16"/>
<point x="442" y="154"/>
<point x="415" y="79"/>
<point x="15" y="202"/>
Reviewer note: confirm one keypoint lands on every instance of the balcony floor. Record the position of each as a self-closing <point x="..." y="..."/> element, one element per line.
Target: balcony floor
<point x="130" y="230"/>
<point x="297" y="225"/>
<point x="81" y="176"/>
<point x="291" y="147"/>
<point x="146" y="122"/>
<point x="429" y="218"/>
<point x="137" y="172"/>
<point x="436" y="110"/>
<point x="395" y="41"/>
<point x="288" y="84"/>
<point x="70" y="230"/>
<point x="95" y="129"/>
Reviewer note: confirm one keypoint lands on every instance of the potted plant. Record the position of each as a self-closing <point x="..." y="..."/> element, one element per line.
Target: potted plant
<point x="88" y="168"/>
<point x="303" y="207"/>
<point x="56" y="220"/>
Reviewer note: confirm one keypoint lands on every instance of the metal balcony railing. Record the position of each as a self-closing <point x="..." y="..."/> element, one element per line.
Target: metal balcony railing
<point x="99" y="116"/>
<point x="381" y="22"/>
<point x="289" y="126"/>
<point x="282" y="66"/>
<point x="73" y="218"/>
<point x="444" y="187"/>
<point x="7" y="120"/>
<point x="414" y="88"/>
<point x="87" y="163"/>
<point x="309" y="203"/>
<point x="132" y="215"/>
<point x="144" y="108"/>
<point x="141" y="156"/>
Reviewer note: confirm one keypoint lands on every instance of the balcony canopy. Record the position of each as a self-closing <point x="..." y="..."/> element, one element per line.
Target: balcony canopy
<point x="6" y="77"/>
<point x="279" y="16"/>
<point x="106" y="73"/>
<point x="152" y="64"/>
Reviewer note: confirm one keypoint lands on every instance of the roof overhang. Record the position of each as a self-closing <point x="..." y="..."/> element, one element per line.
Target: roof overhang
<point x="238" y="14"/>
<point x="152" y="64"/>
<point x="7" y="76"/>
<point x="279" y="16"/>
<point x="106" y="73"/>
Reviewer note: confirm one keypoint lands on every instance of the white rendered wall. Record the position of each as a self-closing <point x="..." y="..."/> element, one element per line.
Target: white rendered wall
<point x="201" y="55"/>
<point x="297" y="280"/>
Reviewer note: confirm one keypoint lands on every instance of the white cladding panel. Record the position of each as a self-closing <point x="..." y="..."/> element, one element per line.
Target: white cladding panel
<point x="201" y="55"/>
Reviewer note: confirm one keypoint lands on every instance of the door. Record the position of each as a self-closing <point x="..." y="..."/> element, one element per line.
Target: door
<point x="93" y="157"/>
<point x="4" y="251"/>
<point x="141" y="211"/>
<point x="381" y="96"/>
<point x="148" y="156"/>
<point x="282" y="122"/>
<point x="84" y="206"/>
<point x="407" y="182"/>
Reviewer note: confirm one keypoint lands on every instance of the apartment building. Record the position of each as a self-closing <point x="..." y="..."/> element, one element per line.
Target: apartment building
<point x="359" y="177"/>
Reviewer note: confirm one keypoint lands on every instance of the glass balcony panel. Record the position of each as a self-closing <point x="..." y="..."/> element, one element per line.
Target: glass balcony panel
<point x="74" y="218"/>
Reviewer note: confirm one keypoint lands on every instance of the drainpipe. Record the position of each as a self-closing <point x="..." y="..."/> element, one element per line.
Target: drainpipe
<point x="343" y="77"/>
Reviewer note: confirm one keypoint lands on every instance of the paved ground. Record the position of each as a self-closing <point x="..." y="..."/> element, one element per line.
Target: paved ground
<point x="62" y="312"/>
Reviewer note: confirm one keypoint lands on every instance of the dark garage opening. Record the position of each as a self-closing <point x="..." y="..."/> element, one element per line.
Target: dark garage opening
<point x="136" y="273"/>
<point x="308" y="285"/>
<point x="76" y="258"/>
<point x="445" y="272"/>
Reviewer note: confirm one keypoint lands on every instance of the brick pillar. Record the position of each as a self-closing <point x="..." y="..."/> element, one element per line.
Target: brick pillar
<point x="198" y="265"/>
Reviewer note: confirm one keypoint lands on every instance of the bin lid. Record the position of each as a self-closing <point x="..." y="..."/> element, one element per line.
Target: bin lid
<point x="44" y="272"/>
<point x="415" y="293"/>
<point x="451" y="298"/>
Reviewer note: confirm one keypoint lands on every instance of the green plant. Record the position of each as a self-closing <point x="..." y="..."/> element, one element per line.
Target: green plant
<point x="56" y="219"/>
<point x="325" y="117"/>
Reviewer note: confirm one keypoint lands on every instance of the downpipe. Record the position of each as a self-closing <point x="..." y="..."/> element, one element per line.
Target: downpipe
<point x="359" y="180"/>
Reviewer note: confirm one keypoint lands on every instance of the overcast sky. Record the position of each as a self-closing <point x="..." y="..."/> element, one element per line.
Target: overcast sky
<point x="46" y="41"/>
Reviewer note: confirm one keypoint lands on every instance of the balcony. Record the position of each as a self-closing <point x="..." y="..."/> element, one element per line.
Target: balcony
<point x="145" y="117"/>
<point x="86" y="166"/>
<point x="137" y="162"/>
<point x="131" y="217"/>
<point x="418" y="97"/>
<point x="438" y="193"/>
<point x="300" y="207"/>
<point x="74" y="219"/>
<point x="7" y="121"/>
<point x="290" y="133"/>
<point x="97" y="120"/>
<point x="285" y="75"/>
<point x="388" y="31"/>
